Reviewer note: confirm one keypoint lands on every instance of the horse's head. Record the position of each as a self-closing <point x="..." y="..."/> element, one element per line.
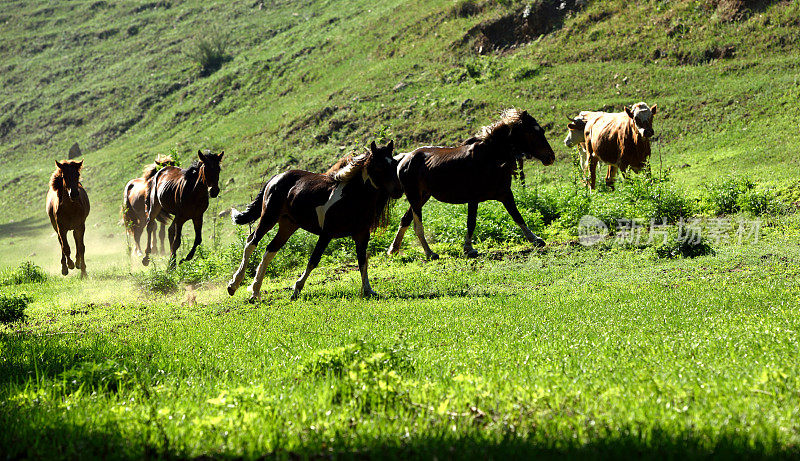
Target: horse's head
<point x="382" y="169"/>
<point x="642" y="116"/>
<point x="71" y="177"/>
<point x="529" y="137"/>
<point x="211" y="167"/>
<point x="575" y="135"/>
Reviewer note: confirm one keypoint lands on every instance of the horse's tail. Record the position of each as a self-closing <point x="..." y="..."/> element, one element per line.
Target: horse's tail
<point x="128" y="215"/>
<point x="253" y="210"/>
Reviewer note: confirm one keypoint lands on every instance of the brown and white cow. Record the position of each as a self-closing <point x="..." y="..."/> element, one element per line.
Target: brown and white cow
<point x="620" y="139"/>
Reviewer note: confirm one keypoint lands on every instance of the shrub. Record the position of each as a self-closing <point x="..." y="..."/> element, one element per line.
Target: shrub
<point x="12" y="307"/>
<point x="210" y="51"/>
<point x="758" y="202"/>
<point x="466" y="8"/>
<point x="27" y="272"/>
<point x="685" y="248"/>
<point x="162" y="281"/>
<point x="722" y="196"/>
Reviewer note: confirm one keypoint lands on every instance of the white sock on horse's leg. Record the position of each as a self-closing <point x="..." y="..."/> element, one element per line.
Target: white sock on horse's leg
<point x="398" y="240"/>
<point x="255" y="287"/>
<point x="238" y="276"/>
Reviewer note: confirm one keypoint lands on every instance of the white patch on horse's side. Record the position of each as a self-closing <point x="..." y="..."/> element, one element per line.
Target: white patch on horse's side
<point x="335" y="196"/>
<point x="401" y="156"/>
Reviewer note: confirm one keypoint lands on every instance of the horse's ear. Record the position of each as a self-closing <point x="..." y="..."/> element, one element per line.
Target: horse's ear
<point x="629" y="112"/>
<point x="654" y="109"/>
<point x="373" y="147"/>
<point x="390" y="146"/>
<point x="219" y="157"/>
<point x="59" y="165"/>
<point x="524" y="114"/>
<point x="201" y="156"/>
<point x="80" y="164"/>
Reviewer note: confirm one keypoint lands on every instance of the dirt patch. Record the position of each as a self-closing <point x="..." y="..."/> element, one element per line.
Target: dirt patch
<point x="523" y="25"/>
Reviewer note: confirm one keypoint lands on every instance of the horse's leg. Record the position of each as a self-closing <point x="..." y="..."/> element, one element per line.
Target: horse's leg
<point x="137" y="236"/>
<point x="610" y="175"/>
<point x="285" y="230"/>
<point x="177" y="223"/>
<point x="62" y="239"/>
<point x="269" y="217"/>
<point x="472" y="216"/>
<point x="405" y="221"/>
<point x="198" y="236"/>
<point x="521" y="172"/>
<point x="316" y="255"/>
<point x="161" y="228"/>
<point x="361" y="253"/>
<point x="511" y="207"/>
<point x="152" y="210"/>
<point x="80" y="249"/>
<point x="419" y="229"/>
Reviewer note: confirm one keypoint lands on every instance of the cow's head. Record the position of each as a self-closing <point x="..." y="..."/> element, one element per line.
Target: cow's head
<point x="642" y="116"/>
<point x="575" y="134"/>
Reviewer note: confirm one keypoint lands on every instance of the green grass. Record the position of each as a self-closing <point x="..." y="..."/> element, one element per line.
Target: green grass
<point x="617" y="350"/>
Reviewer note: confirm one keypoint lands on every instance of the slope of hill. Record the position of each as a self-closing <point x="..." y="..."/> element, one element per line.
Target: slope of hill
<point x="308" y="80"/>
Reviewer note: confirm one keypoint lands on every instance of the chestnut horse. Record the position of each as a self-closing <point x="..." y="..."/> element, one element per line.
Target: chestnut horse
<point x="349" y="200"/>
<point x="480" y="169"/>
<point x="183" y="194"/>
<point x="133" y="197"/>
<point x="68" y="206"/>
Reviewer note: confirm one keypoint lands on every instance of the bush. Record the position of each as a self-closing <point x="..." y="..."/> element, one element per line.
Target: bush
<point x="210" y="52"/>
<point x="722" y="196"/>
<point x="684" y="247"/>
<point x="161" y="281"/>
<point x="12" y="308"/>
<point x="758" y="203"/>
<point x="27" y="272"/>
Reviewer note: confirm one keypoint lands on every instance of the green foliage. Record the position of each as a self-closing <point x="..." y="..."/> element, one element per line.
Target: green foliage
<point x="683" y="247"/>
<point x="12" y="307"/>
<point x="759" y="202"/>
<point x="160" y="281"/>
<point x="210" y="51"/>
<point x="721" y="196"/>
<point x="26" y="272"/>
<point x="90" y="376"/>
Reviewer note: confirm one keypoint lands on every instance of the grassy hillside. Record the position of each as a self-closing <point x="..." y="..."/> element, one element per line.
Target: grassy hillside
<point x="625" y="349"/>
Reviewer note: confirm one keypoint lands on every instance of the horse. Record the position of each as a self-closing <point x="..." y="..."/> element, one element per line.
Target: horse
<point x="67" y="206"/>
<point x="184" y="194"/>
<point x="478" y="170"/>
<point x="349" y="200"/>
<point x="133" y="198"/>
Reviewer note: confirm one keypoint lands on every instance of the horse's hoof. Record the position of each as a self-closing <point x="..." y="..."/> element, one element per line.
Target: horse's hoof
<point x="254" y="299"/>
<point x="295" y="295"/>
<point x="539" y="243"/>
<point x="471" y="253"/>
<point x="370" y="294"/>
<point x="433" y="256"/>
<point x="70" y="264"/>
<point x="83" y="274"/>
<point x="64" y="270"/>
<point x="231" y="289"/>
<point x="146" y="261"/>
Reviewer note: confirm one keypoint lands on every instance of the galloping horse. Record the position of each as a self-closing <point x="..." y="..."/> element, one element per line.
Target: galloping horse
<point x="133" y="198"/>
<point x="478" y="170"/>
<point x="68" y="206"/>
<point x="349" y="200"/>
<point x="184" y="194"/>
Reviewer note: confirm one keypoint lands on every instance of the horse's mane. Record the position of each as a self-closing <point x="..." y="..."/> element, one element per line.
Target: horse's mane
<point x="55" y="180"/>
<point x="347" y="167"/>
<point x="509" y="118"/>
<point x="160" y="162"/>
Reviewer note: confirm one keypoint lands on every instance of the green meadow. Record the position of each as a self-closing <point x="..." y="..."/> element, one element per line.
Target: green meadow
<point x="641" y="345"/>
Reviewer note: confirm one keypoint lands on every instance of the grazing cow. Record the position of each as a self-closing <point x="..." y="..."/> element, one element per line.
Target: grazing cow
<point x="620" y="139"/>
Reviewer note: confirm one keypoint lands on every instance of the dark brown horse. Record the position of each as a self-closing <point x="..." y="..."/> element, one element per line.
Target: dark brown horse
<point x="480" y="169"/>
<point x="68" y="206"/>
<point x="183" y="194"/>
<point x="349" y="200"/>
<point x="133" y="198"/>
